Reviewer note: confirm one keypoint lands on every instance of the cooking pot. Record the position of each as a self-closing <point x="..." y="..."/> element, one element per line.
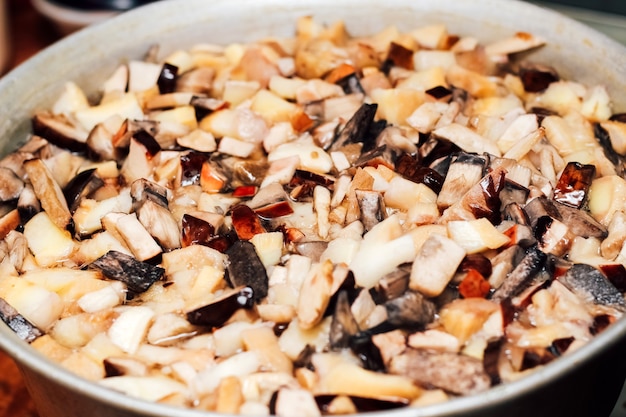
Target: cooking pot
<point x="585" y="383"/>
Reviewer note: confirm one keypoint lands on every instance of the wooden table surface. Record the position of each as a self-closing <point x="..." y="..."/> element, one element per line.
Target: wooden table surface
<point x="29" y="33"/>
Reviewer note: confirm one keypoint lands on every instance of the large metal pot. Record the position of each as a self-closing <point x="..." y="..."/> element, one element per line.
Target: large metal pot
<point x="584" y="383"/>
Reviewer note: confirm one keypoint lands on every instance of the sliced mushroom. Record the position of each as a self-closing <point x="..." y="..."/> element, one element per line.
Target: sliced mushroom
<point x="245" y="268"/>
<point x="537" y="77"/>
<point x="246" y="223"/>
<point x="464" y="172"/>
<point x="455" y="373"/>
<point x="338" y="376"/>
<point x="136" y="237"/>
<point x="481" y="201"/>
<point x="392" y="285"/>
<point x="522" y="275"/>
<point x="216" y="313"/>
<point x="48" y="192"/>
<point x="118" y="366"/>
<point x="11" y="185"/>
<point x="343" y="325"/>
<point x="315" y="295"/>
<point x="573" y="185"/>
<point x="503" y="263"/>
<point x="143" y="190"/>
<point x="592" y="286"/>
<point x="198" y="81"/>
<point x="356" y="128"/>
<point x="10" y="221"/>
<point x="295" y="401"/>
<point x="107" y="140"/>
<point x="138" y="276"/>
<point x="167" y="78"/>
<point x="411" y="311"/>
<point x="466" y="139"/>
<point x="23" y="328"/>
<point x="160" y="223"/>
<point x="372" y="207"/>
<point x="140" y="160"/>
<point x="408" y="166"/>
<point x="435" y="265"/>
<point x="581" y="223"/>
<point x="59" y="130"/>
<point x="79" y="187"/>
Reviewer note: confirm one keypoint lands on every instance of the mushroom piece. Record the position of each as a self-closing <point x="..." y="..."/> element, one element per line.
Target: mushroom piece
<point x="503" y="263"/>
<point x="356" y="129"/>
<point x="9" y="222"/>
<point x="315" y="295"/>
<point x="289" y="402"/>
<point x="48" y="192"/>
<point x="196" y="231"/>
<point x="79" y="187"/>
<point x="140" y="161"/>
<point x="216" y="313"/>
<point x="246" y="223"/>
<point x="108" y="139"/>
<point x="351" y="84"/>
<point x="513" y="193"/>
<point x="537" y="77"/>
<point x="198" y="81"/>
<point x="372" y="207"/>
<point x="522" y="275"/>
<point x="592" y="286"/>
<point x="581" y="223"/>
<point x="329" y="404"/>
<point x="481" y="201"/>
<point x="409" y="167"/>
<point x="245" y="268"/>
<point x="455" y="373"/>
<point x="143" y="190"/>
<point x="135" y="235"/>
<point x="160" y="223"/>
<point x="57" y="129"/>
<point x="392" y="285"/>
<point x="119" y="366"/>
<point x="542" y="213"/>
<point x="573" y="185"/>
<point x="435" y="265"/>
<point x="138" y="276"/>
<point x="167" y="78"/>
<point x="338" y="376"/>
<point x="23" y="328"/>
<point x="343" y="325"/>
<point x="10" y="185"/>
<point x="411" y="311"/>
<point x="465" y="171"/>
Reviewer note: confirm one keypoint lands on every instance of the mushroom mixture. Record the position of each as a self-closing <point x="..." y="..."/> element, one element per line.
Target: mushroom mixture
<point x="323" y="224"/>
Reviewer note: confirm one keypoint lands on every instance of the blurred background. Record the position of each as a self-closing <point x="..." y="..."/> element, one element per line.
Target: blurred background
<point x="30" y="25"/>
<point x="27" y="26"/>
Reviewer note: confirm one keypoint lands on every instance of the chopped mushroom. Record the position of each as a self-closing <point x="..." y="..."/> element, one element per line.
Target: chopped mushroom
<point x="12" y="185"/>
<point x="138" y="276"/>
<point x="48" y="192"/>
<point x="24" y="329"/>
<point x="458" y="374"/>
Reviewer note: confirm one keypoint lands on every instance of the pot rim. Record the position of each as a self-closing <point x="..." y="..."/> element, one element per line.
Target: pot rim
<point x="28" y="357"/>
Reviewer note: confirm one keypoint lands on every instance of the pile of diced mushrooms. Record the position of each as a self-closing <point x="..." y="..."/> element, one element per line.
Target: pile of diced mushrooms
<point x="323" y="224"/>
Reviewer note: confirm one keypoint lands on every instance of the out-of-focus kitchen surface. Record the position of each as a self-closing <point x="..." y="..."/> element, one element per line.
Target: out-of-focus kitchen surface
<point x="29" y="32"/>
<point x="605" y="16"/>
